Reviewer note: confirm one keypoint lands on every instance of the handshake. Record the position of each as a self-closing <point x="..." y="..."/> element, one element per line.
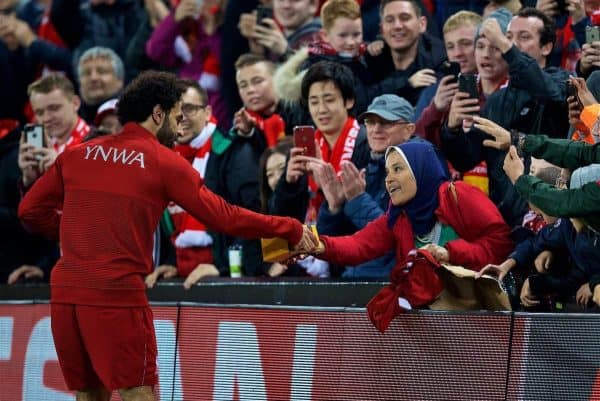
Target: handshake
<point x="278" y="249"/>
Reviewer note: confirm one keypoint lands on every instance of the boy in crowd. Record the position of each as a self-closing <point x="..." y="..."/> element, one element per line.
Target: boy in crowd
<point x="233" y="167"/>
<point x="341" y="41"/>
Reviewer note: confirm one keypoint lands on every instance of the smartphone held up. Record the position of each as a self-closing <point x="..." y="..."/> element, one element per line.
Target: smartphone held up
<point x="304" y="137"/>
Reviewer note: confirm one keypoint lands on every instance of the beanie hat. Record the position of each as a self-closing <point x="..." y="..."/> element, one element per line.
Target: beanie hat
<point x="502" y="15"/>
<point x="593" y="83"/>
<point x="584" y="175"/>
<point x="580" y="177"/>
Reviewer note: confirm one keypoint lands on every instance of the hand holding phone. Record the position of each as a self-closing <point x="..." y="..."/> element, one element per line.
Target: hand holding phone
<point x="304" y="137"/>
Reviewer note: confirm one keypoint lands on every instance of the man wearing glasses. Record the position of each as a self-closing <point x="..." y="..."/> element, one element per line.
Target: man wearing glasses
<point x="193" y="141"/>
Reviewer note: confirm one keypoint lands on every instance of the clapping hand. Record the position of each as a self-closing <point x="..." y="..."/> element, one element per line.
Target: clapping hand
<point x="354" y="181"/>
<point x="327" y="180"/>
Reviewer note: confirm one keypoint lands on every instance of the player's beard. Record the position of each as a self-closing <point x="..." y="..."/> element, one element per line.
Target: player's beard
<point x="166" y="134"/>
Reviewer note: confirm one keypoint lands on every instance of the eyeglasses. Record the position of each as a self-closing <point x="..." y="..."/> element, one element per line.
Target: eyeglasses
<point x="383" y="123"/>
<point x="190" y="109"/>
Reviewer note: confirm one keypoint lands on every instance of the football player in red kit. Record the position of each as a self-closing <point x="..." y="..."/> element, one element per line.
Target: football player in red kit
<point x="103" y="200"/>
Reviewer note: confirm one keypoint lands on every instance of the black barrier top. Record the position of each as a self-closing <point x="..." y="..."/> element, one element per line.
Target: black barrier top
<point x="247" y="290"/>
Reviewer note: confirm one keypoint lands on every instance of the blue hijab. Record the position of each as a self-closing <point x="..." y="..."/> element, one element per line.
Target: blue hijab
<point x="429" y="175"/>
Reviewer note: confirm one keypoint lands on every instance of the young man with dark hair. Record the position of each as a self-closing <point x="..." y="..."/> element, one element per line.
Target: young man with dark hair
<point x="111" y="192"/>
<point x="328" y="89"/>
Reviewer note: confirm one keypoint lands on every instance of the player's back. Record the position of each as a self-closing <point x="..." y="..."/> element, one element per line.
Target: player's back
<point x="113" y="199"/>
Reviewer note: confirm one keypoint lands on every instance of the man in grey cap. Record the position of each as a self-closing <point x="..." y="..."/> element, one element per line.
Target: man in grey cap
<point x="389" y="121"/>
<point x="359" y="197"/>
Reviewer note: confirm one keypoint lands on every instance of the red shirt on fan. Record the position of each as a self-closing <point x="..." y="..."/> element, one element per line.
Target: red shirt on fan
<point x="112" y="191"/>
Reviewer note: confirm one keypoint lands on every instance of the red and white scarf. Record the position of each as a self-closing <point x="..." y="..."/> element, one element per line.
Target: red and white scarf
<point x="189" y="232"/>
<point x="272" y="126"/>
<point x="343" y="149"/>
<point x="79" y="132"/>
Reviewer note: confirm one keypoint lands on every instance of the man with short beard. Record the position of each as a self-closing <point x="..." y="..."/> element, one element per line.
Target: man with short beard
<point x="106" y="197"/>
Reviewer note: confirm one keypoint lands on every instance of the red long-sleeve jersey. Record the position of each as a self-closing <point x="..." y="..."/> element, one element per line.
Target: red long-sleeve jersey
<point x="103" y="200"/>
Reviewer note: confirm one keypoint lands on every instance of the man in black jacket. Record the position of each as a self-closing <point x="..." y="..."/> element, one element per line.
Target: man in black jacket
<point x="534" y="101"/>
<point x="409" y="53"/>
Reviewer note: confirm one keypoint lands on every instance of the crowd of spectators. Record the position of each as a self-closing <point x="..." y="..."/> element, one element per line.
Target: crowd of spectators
<point x="467" y="128"/>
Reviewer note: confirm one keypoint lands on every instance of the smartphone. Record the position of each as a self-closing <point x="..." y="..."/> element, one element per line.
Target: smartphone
<point x="304" y="137"/>
<point x="34" y="135"/>
<point x="468" y="83"/>
<point x="562" y="7"/>
<point x="263" y="12"/>
<point x="592" y="34"/>
<point x="572" y="91"/>
<point x="448" y="68"/>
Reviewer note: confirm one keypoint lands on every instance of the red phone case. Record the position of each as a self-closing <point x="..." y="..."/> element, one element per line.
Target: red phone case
<point x="304" y="137"/>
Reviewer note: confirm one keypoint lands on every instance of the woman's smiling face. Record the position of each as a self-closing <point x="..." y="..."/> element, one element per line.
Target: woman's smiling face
<point x="399" y="181"/>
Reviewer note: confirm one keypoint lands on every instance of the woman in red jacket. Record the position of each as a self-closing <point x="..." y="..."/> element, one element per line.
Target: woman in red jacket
<point x="455" y="222"/>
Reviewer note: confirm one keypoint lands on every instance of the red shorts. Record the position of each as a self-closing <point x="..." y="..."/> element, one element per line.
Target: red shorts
<point x="106" y="347"/>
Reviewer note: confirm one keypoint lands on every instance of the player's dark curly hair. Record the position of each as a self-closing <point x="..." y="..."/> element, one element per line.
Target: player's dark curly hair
<point x="149" y="89"/>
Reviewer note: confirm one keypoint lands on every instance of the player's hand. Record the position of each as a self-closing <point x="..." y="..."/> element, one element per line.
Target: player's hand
<point x="308" y="243"/>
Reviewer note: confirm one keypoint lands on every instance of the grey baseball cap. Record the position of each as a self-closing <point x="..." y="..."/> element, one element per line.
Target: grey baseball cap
<point x="390" y="108"/>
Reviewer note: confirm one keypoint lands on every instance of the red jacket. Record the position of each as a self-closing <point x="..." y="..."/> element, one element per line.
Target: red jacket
<point x="484" y="236"/>
<point x="112" y="192"/>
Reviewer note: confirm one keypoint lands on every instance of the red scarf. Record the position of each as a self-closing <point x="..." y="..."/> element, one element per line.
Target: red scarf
<point x="79" y="132"/>
<point x="273" y="126"/>
<point x="47" y="31"/>
<point x="342" y="151"/>
<point x="325" y="49"/>
<point x="192" y="242"/>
